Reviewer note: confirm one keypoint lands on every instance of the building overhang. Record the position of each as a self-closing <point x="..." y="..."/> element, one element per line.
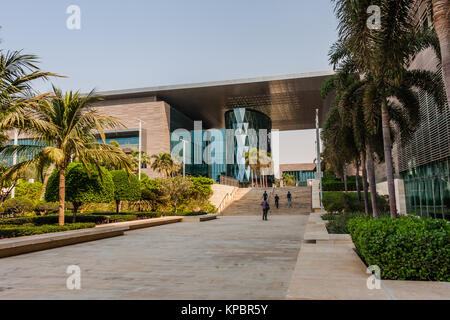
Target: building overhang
<point x="289" y="100"/>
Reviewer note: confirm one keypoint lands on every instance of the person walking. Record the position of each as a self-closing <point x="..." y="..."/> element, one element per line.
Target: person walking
<point x="277" y="199"/>
<point x="289" y="199"/>
<point x="265" y="195"/>
<point x="266" y="208"/>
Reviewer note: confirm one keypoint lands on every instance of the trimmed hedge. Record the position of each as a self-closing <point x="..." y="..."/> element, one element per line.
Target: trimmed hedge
<point x="138" y="215"/>
<point x="17" y="206"/>
<point x="147" y="215"/>
<point x="335" y="184"/>
<point x="338" y="202"/>
<point x="47" y="207"/>
<point x="121" y="217"/>
<point x="407" y="248"/>
<point x="10" y="231"/>
<point x="53" y="219"/>
<point x="190" y="214"/>
<point x="338" y="223"/>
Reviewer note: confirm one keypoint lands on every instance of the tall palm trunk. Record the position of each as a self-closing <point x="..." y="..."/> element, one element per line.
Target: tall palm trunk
<point x="344" y="173"/>
<point x="358" y="189"/>
<point x="388" y="158"/>
<point x="372" y="185"/>
<point x="365" y="186"/>
<point x="441" y="17"/>
<point x="48" y="173"/>
<point x="62" y="195"/>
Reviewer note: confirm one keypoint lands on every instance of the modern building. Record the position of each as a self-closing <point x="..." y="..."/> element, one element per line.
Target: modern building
<point x="219" y="121"/>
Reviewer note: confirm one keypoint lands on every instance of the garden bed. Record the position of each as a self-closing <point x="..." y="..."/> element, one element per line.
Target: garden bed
<point x="31" y="225"/>
<point x="11" y="230"/>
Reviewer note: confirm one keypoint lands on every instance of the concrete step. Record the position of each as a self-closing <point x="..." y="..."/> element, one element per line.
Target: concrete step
<point x="247" y="201"/>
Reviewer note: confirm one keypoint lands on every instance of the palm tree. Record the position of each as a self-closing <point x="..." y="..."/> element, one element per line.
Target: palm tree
<point x="383" y="56"/>
<point x="441" y="20"/>
<point x="145" y="159"/>
<point x="17" y="71"/>
<point x="65" y="127"/>
<point x="266" y="164"/>
<point x="163" y="163"/>
<point x="252" y="161"/>
<point x="352" y="129"/>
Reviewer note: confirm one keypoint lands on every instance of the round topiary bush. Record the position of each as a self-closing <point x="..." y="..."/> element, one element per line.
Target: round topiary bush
<point x="83" y="185"/>
<point x="17" y="207"/>
<point x="126" y="187"/>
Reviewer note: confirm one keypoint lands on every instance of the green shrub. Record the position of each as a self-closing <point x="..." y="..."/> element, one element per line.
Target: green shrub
<point x="337" y="224"/>
<point x="29" y="190"/>
<point x="81" y="186"/>
<point x="137" y="214"/>
<point x="10" y="231"/>
<point x="329" y="216"/>
<point x="189" y="214"/>
<point x="47" y="207"/>
<point x="201" y="188"/>
<point x="164" y="194"/>
<point x="52" y="219"/>
<point x="17" y="206"/>
<point x="121" y="217"/>
<point x="335" y="184"/>
<point x="126" y="187"/>
<point x="338" y="202"/>
<point x="407" y="248"/>
<point x="151" y="192"/>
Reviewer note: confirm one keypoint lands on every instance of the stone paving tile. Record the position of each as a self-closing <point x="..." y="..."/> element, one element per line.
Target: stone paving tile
<point x="229" y="258"/>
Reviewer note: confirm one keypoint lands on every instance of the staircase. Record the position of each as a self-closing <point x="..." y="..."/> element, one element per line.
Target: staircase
<point x="247" y="201"/>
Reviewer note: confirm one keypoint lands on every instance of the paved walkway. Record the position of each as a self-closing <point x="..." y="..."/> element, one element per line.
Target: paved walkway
<point x="228" y="258"/>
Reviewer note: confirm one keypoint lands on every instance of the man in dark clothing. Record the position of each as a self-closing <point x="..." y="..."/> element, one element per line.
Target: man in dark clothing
<point x="277" y="199"/>
<point x="265" y="196"/>
<point x="266" y="208"/>
<point x="289" y="198"/>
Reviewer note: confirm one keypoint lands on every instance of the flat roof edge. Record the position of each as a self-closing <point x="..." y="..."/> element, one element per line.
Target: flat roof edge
<point x="303" y="75"/>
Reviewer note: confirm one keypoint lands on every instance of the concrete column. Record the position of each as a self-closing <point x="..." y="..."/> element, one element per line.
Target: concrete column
<point x="400" y="197"/>
<point x="315" y="186"/>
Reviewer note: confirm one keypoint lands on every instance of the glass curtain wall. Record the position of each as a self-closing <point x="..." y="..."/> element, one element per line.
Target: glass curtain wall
<point x="245" y="119"/>
<point x="7" y="160"/>
<point x="427" y="189"/>
<point x="301" y="177"/>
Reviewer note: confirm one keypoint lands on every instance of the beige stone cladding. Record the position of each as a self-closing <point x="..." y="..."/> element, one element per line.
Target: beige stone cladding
<point x="155" y="116"/>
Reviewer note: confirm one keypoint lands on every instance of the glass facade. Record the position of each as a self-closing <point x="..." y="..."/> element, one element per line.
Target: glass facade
<point x="427" y="189"/>
<point x="131" y="142"/>
<point x="212" y="143"/>
<point x="424" y="162"/>
<point x="245" y="120"/>
<point x="7" y="160"/>
<point x="301" y="177"/>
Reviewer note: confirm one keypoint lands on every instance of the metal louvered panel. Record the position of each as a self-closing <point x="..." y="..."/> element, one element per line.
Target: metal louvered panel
<point x="431" y="141"/>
